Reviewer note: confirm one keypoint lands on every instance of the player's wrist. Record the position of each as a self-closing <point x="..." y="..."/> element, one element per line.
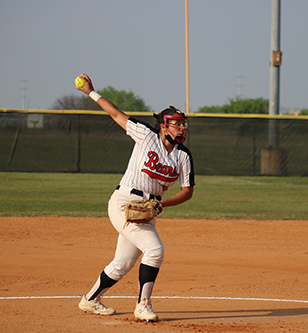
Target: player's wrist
<point x="94" y="95"/>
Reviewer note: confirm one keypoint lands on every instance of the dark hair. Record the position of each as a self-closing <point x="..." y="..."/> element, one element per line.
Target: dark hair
<point x="159" y="117"/>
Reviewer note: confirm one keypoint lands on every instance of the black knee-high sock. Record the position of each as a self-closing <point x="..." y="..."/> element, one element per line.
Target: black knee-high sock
<point x="146" y="274"/>
<point x="105" y="282"/>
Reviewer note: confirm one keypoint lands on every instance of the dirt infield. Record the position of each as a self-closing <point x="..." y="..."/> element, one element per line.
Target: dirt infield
<point x="220" y="276"/>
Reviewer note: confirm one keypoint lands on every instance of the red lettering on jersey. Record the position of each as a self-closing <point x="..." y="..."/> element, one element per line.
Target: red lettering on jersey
<point x="160" y="169"/>
<point x="160" y="177"/>
<point x="152" y="161"/>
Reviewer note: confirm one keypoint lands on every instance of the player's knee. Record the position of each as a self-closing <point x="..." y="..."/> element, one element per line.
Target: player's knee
<point x="154" y="257"/>
<point x="116" y="270"/>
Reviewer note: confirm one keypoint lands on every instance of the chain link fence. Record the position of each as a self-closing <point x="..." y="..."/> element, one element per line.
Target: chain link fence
<point x="90" y="142"/>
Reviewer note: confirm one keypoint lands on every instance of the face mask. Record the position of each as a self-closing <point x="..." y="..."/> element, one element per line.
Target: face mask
<point x="177" y="123"/>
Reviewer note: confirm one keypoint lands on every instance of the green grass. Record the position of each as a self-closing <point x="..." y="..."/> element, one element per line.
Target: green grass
<point x="55" y="193"/>
<point x="215" y="197"/>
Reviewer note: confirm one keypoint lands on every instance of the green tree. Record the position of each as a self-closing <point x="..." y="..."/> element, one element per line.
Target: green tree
<point x="125" y="101"/>
<point x="240" y="106"/>
<point x="304" y="112"/>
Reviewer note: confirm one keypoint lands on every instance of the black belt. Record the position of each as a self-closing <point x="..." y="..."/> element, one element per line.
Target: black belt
<point x="140" y="193"/>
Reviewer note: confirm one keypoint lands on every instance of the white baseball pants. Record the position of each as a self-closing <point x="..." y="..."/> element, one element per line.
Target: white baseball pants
<point x="133" y="240"/>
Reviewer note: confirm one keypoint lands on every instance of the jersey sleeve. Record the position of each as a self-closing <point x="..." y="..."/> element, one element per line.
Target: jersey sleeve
<point x="187" y="174"/>
<point x="137" y="130"/>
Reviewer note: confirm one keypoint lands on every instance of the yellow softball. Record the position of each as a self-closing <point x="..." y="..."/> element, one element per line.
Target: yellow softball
<point x="79" y="82"/>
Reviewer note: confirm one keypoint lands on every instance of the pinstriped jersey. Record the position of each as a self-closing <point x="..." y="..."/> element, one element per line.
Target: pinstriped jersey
<point x="151" y="168"/>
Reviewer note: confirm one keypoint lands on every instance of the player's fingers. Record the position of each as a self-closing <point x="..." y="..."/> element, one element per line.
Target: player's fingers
<point x="85" y="76"/>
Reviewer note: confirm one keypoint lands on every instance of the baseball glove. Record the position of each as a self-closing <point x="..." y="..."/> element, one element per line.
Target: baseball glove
<point x="142" y="211"/>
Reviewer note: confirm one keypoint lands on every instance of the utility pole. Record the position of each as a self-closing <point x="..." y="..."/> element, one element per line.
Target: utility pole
<point x="275" y="63"/>
<point x="23" y="93"/>
<point x="274" y="158"/>
<point x="239" y="85"/>
<point x="187" y="57"/>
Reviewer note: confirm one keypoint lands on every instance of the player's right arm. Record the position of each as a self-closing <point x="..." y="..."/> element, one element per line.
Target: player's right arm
<point x="117" y="115"/>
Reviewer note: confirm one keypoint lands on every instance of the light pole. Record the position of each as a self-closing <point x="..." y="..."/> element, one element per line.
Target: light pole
<point x="274" y="158"/>
<point x="187" y="57"/>
<point x="276" y="54"/>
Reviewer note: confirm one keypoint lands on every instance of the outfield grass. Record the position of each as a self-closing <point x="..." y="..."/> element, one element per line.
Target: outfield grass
<point x="215" y="197"/>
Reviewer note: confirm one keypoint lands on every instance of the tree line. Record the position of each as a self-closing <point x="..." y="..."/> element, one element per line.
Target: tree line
<point x="126" y="101"/>
<point x="129" y="101"/>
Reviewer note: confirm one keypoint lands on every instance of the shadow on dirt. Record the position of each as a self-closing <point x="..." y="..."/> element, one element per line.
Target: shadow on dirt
<point x="232" y="314"/>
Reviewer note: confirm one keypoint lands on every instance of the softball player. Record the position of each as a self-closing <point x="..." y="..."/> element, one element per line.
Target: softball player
<point x="158" y="159"/>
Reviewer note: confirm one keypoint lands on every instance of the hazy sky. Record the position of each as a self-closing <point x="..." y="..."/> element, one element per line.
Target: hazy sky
<point x="139" y="45"/>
